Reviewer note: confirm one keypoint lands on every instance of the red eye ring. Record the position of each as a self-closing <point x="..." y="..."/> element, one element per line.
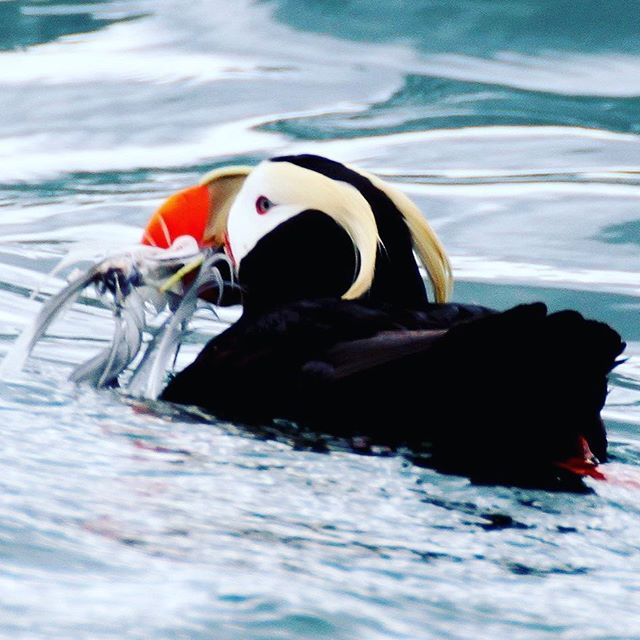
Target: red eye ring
<point x="263" y="204"/>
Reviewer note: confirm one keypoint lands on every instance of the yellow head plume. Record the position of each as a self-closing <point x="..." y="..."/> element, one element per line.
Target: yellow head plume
<point x="426" y="243"/>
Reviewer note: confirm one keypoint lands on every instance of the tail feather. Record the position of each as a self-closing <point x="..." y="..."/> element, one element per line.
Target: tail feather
<point x="538" y="381"/>
<point x="499" y="398"/>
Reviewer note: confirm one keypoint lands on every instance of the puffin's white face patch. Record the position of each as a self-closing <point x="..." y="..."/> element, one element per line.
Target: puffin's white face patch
<point x="249" y="220"/>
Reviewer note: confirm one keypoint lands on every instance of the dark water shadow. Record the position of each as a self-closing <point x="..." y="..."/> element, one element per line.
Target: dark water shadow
<point x="24" y="23"/>
<point x="301" y="438"/>
<point x="618" y="310"/>
<point x="624" y="233"/>
<point x="473" y="27"/>
<point x="425" y="103"/>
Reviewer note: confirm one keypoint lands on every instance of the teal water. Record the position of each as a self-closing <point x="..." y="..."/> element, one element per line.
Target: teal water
<point x="513" y="124"/>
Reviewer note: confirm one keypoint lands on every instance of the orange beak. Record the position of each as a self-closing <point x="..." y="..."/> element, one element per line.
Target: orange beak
<point x="185" y="213"/>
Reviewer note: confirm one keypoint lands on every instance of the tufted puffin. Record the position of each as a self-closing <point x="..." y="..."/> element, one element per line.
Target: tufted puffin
<point x="338" y="335"/>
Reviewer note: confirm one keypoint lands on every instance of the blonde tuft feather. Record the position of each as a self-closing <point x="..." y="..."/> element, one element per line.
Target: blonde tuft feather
<point x="430" y="250"/>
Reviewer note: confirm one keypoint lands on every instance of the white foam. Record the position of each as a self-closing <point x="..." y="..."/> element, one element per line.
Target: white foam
<point x="523" y="189"/>
<point x="613" y="75"/>
<point x="502" y="150"/>
<point x="67" y="62"/>
<point x="26" y="158"/>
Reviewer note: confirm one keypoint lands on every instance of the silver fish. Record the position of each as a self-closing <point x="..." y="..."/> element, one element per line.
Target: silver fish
<point x="148" y="378"/>
<point x="145" y="281"/>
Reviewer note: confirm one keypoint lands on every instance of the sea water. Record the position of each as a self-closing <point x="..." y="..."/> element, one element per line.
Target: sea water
<point x="516" y="128"/>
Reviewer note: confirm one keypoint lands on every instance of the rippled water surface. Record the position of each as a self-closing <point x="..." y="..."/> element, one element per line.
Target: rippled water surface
<point x="515" y="126"/>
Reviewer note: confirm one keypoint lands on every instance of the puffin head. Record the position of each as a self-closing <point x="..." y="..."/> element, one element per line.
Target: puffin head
<point x="309" y="227"/>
